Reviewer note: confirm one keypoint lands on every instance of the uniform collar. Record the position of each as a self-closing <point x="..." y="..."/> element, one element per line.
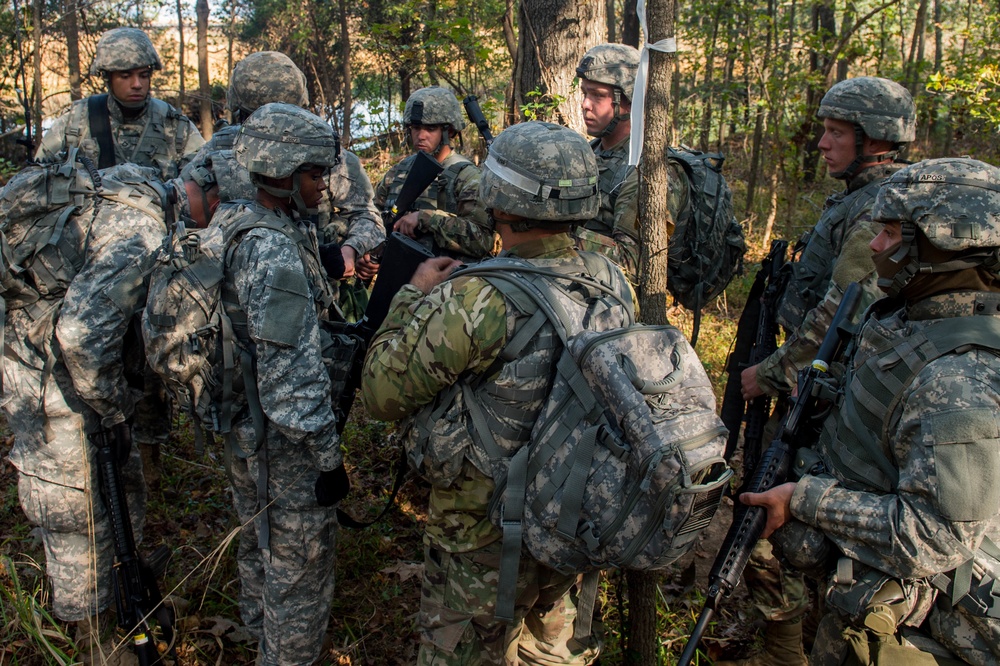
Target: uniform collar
<point x="555" y="244"/>
<point x="955" y="304"/>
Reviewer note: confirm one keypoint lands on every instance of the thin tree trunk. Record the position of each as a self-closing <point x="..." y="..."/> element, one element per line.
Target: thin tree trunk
<point x="180" y="55"/>
<point x="612" y="19"/>
<point x="36" y="18"/>
<point x="345" y="69"/>
<point x="204" y="80"/>
<point x="706" y="116"/>
<point x="630" y="24"/>
<point x="71" y="31"/>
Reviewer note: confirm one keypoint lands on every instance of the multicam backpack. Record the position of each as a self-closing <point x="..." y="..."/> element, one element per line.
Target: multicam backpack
<point x="624" y="466"/>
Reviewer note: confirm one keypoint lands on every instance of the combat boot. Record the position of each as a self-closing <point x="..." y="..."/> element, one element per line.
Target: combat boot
<point x="782" y="647"/>
<point x="95" y="640"/>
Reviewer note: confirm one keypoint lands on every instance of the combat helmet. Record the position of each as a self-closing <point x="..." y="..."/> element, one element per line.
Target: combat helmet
<point x="220" y="168"/>
<point x="878" y="108"/>
<point x="955" y="203"/>
<point x="123" y="49"/>
<point x="542" y="172"/>
<point x="277" y="140"/>
<point x="263" y="77"/>
<point x="433" y="105"/>
<point x="614" y="65"/>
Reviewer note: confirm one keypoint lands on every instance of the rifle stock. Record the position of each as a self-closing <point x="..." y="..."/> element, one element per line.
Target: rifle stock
<point x="422" y="173"/>
<point x="476" y="116"/>
<point x="137" y="596"/>
<point x="749" y="521"/>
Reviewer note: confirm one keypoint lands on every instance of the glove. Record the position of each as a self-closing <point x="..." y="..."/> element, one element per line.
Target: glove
<point x="332" y="259"/>
<point x="332" y="486"/>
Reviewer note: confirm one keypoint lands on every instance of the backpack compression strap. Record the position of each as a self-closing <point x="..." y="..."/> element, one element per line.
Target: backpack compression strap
<point x="100" y="129"/>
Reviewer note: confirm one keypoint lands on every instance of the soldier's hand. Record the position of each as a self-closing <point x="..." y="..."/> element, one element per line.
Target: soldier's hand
<point x="748" y="380"/>
<point x="332" y="486"/>
<point x="433" y="272"/>
<point x="365" y="268"/>
<point x="407" y="225"/>
<point x="350" y="257"/>
<point x="778" y="503"/>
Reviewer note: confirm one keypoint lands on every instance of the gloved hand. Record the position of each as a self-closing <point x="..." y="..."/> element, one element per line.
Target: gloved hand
<point x="332" y="259"/>
<point x="332" y="486"/>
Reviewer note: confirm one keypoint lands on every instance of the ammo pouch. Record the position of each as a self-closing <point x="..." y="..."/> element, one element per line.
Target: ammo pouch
<point x="865" y="648"/>
<point x="873" y="599"/>
<point x="342" y="351"/>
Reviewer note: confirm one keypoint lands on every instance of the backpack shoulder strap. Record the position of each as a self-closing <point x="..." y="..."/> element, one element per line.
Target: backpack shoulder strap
<point x="100" y="128"/>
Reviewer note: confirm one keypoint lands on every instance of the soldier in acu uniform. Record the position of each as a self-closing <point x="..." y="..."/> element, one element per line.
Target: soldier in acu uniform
<point x="607" y="80"/>
<point x="64" y="379"/>
<point x="447" y="214"/>
<point x="287" y="469"/>
<point x="866" y="122"/>
<point x="137" y="127"/>
<point x="900" y="509"/>
<point x="439" y="332"/>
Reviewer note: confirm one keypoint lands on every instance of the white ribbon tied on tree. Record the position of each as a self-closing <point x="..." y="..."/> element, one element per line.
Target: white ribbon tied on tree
<point x="668" y="45"/>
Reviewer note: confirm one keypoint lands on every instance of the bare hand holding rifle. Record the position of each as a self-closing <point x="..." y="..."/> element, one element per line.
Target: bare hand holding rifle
<point x="137" y="597"/>
<point x="750" y="522"/>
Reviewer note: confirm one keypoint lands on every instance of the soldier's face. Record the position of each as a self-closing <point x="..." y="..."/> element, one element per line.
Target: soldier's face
<point x="426" y="137"/>
<point x="312" y="182"/>
<point x="132" y="85"/>
<point x="890" y="236"/>
<point x="837" y="144"/>
<point x="598" y="105"/>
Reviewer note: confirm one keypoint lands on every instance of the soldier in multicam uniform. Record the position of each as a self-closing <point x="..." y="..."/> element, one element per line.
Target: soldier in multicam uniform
<point x="143" y="130"/>
<point x="349" y="222"/>
<point x="437" y="333"/>
<point x="64" y="379"/>
<point x="287" y="473"/>
<point x="607" y="80"/>
<point x="901" y="503"/>
<point x="867" y="120"/>
<point x="448" y="215"/>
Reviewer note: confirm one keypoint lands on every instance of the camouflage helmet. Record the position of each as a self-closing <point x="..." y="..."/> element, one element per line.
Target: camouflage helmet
<point x="433" y="105"/>
<point x="262" y="77"/>
<point x="219" y="167"/>
<point x="882" y="108"/>
<point x="541" y="171"/>
<point x="611" y="64"/>
<point x="277" y="139"/>
<point x="123" y="49"/>
<point x="954" y="201"/>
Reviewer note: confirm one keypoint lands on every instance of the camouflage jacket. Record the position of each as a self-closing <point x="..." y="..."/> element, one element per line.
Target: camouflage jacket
<point x="615" y="230"/>
<point x="160" y="137"/>
<point x="833" y="254"/>
<point x="449" y="209"/>
<point x="426" y="344"/>
<point x="275" y="291"/>
<point x="927" y="506"/>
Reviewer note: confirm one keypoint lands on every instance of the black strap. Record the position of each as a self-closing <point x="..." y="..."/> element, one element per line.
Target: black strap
<point x="100" y="129"/>
<point x="401" y="468"/>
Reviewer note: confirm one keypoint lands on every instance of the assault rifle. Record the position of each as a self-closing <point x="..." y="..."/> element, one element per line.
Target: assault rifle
<point x="475" y="113"/>
<point x="423" y="171"/>
<point x="137" y="596"/>
<point x="796" y="430"/>
<point x="756" y="339"/>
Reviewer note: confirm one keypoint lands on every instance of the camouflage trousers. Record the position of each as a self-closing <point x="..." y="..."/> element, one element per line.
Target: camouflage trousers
<point x="59" y="488"/>
<point x="779" y="594"/>
<point x="287" y="584"/>
<point x="838" y="642"/>
<point x="458" y="602"/>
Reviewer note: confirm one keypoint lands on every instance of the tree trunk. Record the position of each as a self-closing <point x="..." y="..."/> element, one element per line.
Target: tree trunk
<point x="180" y="55"/>
<point x="630" y="24"/>
<point x="706" y="116"/>
<point x="204" y="80"/>
<point x="655" y="226"/>
<point x="553" y="37"/>
<point x="345" y="65"/>
<point x="612" y="19"/>
<point x="71" y="31"/>
<point x="36" y="20"/>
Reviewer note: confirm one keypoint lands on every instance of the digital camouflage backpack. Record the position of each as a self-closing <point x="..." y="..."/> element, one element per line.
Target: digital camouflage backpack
<point x="624" y="465"/>
<point x="707" y="246"/>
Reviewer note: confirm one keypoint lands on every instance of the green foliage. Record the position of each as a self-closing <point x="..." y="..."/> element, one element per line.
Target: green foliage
<point x="541" y="105"/>
<point x="978" y="94"/>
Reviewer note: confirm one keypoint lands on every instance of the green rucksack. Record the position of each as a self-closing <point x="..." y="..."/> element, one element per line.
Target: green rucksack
<point x="707" y="246"/>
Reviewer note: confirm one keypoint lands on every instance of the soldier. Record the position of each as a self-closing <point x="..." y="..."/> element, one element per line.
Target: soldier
<point x="866" y="121"/>
<point x="287" y="470"/>
<point x="447" y="214"/>
<point x="64" y="378"/>
<point x="903" y="500"/>
<point x="349" y="222"/>
<point x="438" y="332"/>
<point x="607" y="80"/>
<point x="125" y="124"/>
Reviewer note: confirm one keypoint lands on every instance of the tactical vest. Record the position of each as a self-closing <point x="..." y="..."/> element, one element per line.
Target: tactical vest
<point x="857" y="443"/>
<point x="613" y="169"/>
<point x="818" y="250"/>
<point x="154" y="139"/>
<point x="440" y="194"/>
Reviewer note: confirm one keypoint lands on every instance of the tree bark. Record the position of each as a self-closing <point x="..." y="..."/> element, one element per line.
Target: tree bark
<point x="554" y="35"/>
<point x="347" y="99"/>
<point x="180" y="55"/>
<point x="204" y="80"/>
<point x="630" y="24"/>
<point x="36" y="19"/>
<point x="71" y="31"/>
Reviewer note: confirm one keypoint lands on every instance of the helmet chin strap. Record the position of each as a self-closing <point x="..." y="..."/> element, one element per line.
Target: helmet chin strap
<point x="618" y="117"/>
<point x="861" y="159"/>
<point x="445" y="140"/>
<point x="294" y="195"/>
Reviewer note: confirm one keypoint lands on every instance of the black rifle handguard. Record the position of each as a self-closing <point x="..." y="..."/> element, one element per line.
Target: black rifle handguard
<point x="476" y="116"/>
